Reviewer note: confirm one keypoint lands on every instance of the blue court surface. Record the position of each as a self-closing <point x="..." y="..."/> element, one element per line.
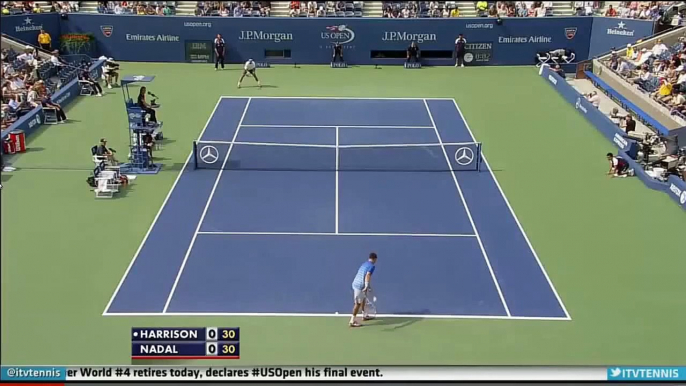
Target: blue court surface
<point x="284" y="198"/>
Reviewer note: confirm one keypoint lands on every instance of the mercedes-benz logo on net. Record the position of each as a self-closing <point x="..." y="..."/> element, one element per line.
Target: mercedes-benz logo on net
<point x="209" y="154"/>
<point x="464" y="156"/>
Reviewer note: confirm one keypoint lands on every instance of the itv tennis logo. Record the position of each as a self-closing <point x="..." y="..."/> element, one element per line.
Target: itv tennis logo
<point x="646" y="374"/>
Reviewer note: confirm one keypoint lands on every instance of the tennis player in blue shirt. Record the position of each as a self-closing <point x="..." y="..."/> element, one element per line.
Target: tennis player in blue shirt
<point x="361" y="284"/>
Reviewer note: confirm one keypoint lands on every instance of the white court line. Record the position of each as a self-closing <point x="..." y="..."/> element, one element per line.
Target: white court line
<point x="333" y="127"/>
<point x="267" y="144"/>
<point x="336" y="227"/>
<point x="469" y="214"/>
<point x="387" y="145"/>
<point x="521" y="229"/>
<point x="337" y="146"/>
<point x="337" y="234"/>
<point x="313" y="315"/>
<point x="334" y="97"/>
<point x="159" y="212"/>
<point x="207" y="206"/>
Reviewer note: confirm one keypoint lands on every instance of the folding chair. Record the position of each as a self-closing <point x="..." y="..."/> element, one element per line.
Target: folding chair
<point x="569" y="58"/>
<point x="85" y="88"/>
<point x="102" y="190"/>
<point x="543" y="59"/>
<point x="50" y="114"/>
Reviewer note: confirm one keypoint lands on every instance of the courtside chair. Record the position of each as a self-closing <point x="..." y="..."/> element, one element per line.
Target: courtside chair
<point x="50" y="115"/>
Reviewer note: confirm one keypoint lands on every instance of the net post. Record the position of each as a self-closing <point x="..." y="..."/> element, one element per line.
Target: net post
<point x="195" y="154"/>
<point x="478" y="160"/>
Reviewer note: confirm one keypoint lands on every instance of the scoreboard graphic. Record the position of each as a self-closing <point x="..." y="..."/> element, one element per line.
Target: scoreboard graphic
<point x="185" y="343"/>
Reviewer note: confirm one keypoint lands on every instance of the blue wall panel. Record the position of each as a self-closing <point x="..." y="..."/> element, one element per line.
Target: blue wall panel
<point x="145" y="38"/>
<point x="163" y="39"/>
<point x="26" y="27"/>
<point x="609" y="33"/>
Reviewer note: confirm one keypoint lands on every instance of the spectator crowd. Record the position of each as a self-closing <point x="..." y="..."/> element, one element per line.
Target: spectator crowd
<point x="659" y="71"/>
<point x="645" y="10"/>
<point x="160" y="8"/>
<point x="22" y="88"/>
<point x="325" y="8"/>
<point x="234" y="8"/>
<point x="22" y="7"/>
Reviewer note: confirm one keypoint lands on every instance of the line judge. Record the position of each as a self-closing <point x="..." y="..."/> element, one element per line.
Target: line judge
<point x="219" y="51"/>
<point x="460" y="50"/>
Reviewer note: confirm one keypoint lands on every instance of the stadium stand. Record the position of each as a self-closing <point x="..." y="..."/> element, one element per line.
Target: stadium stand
<point x="233" y="8"/>
<point x="160" y="8"/>
<point x="645" y="10"/>
<point x="659" y="72"/>
<point x="29" y="75"/>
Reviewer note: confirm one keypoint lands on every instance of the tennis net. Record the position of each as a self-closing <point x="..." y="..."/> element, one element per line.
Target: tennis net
<point x="304" y="157"/>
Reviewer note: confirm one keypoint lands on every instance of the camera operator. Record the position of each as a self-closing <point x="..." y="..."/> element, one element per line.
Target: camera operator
<point x="337" y="52"/>
<point x="111" y="72"/>
<point x="413" y="53"/>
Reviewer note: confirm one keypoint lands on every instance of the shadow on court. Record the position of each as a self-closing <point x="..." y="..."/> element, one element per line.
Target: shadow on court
<point x="392" y="324"/>
<point x="263" y="86"/>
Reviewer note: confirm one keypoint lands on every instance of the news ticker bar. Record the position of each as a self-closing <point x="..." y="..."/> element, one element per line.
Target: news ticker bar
<point x="340" y="373"/>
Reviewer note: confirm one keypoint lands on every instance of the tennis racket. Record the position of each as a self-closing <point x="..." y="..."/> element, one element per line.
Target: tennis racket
<point x="370" y="305"/>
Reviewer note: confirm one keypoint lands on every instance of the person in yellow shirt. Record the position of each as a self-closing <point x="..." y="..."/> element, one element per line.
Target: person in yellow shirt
<point x="481" y="8"/>
<point x="44" y="40"/>
<point x="664" y="93"/>
<point x="455" y="12"/>
<point x="630" y="52"/>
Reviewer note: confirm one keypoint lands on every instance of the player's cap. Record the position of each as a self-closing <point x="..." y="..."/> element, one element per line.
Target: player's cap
<point x="250" y="60"/>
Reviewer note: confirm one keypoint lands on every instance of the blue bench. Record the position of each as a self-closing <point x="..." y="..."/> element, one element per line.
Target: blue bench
<point x="641" y="115"/>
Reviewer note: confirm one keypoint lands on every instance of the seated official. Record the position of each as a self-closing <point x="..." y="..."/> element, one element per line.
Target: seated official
<point x="85" y="76"/>
<point x="46" y="101"/>
<point x="147" y="108"/>
<point x="106" y="153"/>
<point x="337" y="53"/>
<point x="618" y="166"/>
<point x="111" y="72"/>
<point x="413" y="53"/>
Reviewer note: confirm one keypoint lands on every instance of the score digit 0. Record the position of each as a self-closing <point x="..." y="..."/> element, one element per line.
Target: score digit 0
<point x="211" y="334"/>
<point x="211" y="349"/>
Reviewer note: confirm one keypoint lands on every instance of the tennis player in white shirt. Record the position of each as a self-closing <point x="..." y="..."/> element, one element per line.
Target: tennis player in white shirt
<point x="249" y="69"/>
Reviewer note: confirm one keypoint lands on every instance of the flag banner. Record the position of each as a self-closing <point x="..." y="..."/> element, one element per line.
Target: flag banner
<point x="300" y="373"/>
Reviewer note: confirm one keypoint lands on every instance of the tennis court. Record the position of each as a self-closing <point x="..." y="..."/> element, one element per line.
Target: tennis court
<point x="284" y="197"/>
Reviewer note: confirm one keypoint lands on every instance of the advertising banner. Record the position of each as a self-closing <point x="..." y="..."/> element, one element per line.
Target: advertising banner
<point x="364" y="40"/>
<point x="610" y="33"/>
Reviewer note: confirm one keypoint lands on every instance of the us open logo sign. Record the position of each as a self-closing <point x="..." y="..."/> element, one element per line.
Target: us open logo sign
<point x="107" y="30"/>
<point x="570" y="32"/>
